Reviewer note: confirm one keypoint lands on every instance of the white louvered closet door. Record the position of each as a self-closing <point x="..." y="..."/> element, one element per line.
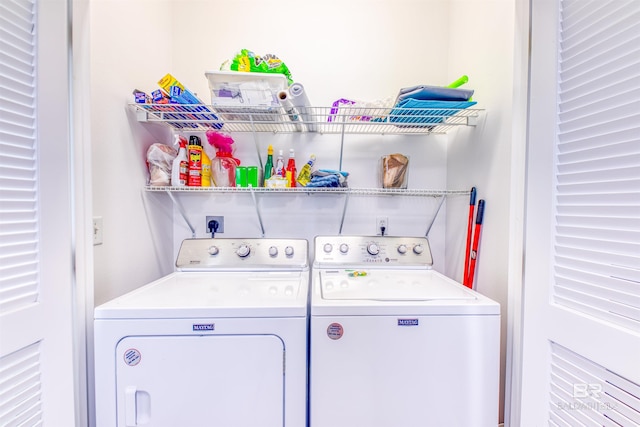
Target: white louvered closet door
<point x="581" y="340"/>
<point x="36" y="271"/>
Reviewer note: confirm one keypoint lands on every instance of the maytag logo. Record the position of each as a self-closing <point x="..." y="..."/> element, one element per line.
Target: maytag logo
<point x="204" y="327"/>
<point x="407" y="322"/>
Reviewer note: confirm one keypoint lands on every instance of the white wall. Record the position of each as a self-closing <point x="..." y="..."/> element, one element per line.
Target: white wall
<point x="377" y="47"/>
<point x="483" y="37"/>
<point x="130" y="48"/>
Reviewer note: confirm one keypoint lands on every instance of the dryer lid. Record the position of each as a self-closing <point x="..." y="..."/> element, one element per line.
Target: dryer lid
<point x="224" y="294"/>
<point x="390" y="285"/>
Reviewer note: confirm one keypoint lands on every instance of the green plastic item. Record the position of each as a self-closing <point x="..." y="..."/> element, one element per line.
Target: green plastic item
<point x="248" y="61"/>
<point x="462" y="80"/>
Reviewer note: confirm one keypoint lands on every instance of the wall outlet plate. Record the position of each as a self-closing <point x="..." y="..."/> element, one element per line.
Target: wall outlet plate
<point x="220" y="220"/>
<point x="382" y="221"/>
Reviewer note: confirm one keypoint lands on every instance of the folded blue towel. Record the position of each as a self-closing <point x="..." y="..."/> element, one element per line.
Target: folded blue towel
<point x="416" y="112"/>
<point x="328" y="178"/>
<point x="434" y="93"/>
<point x="324" y="181"/>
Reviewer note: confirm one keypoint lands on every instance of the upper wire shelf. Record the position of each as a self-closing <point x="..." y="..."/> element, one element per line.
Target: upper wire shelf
<point x="329" y="120"/>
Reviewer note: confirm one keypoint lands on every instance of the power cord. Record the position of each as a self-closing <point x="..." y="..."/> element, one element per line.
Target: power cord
<point x="382" y="230"/>
<point x="212" y="227"/>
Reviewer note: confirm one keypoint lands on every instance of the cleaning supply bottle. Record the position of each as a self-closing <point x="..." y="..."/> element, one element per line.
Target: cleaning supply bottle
<point x="268" y="166"/>
<point x="223" y="169"/>
<point x="279" y="167"/>
<point x="195" y="161"/>
<point x="180" y="167"/>
<point x="223" y="165"/>
<point x="304" y="177"/>
<point x="291" y="170"/>
<point x="206" y="170"/>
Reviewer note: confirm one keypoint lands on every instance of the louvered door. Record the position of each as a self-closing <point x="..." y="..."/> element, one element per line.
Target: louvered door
<point x="36" y="270"/>
<point x="582" y="271"/>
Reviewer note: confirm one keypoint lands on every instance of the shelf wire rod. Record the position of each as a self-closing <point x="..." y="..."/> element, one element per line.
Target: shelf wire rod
<point x="344" y="212"/>
<point x="341" y="146"/>
<point x="255" y="204"/>
<point x="178" y="205"/>
<point x="257" y="145"/>
<point x="435" y="215"/>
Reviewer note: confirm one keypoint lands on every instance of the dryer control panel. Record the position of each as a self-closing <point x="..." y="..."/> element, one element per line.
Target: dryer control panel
<point x="243" y="254"/>
<point x="373" y="250"/>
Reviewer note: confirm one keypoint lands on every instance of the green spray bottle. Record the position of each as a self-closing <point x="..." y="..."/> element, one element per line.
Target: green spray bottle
<point x="268" y="166"/>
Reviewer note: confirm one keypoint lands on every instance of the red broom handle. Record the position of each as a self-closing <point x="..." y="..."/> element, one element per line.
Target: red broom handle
<point x="476" y="241"/>
<point x="472" y="205"/>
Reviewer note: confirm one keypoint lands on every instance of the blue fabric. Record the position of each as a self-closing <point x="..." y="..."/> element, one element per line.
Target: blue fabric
<point x="417" y="112"/>
<point x="434" y="93"/>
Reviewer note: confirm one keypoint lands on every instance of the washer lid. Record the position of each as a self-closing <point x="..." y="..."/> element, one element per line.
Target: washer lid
<point x="389" y="285"/>
<point x="206" y="294"/>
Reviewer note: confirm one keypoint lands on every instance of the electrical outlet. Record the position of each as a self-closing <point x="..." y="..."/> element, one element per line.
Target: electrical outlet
<point x="97" y="230"/>
<point x="382" y="222"/>
<point x="220" y="220"/>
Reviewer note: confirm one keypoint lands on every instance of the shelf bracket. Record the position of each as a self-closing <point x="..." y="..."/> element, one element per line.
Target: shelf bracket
<point x="344" y="212"/>
<point x="442" y="197"/>
<point x="341" y="146"/>
<point x="255" y="204"/>
<point x="178" y="205"/>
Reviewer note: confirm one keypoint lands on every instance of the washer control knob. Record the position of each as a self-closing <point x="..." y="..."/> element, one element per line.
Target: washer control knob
<point x="243" y="251"/>
<point x="418" y="249"/>
<point x="288" y="251"/>
<point x="402" y="249"/>
<point x="273" y="251"/>
<point x="213" y="250"/>
<point x="344" y="248"/>
<point x="373" y="249"/>
<point x="328" y="247"/>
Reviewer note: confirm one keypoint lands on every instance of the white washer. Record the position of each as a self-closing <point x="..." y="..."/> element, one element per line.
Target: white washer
<point x="394" y="343"/>
<point x="220" y="342"/>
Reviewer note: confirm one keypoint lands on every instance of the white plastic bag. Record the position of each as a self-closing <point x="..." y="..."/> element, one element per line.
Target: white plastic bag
<point x="159" y="160"/>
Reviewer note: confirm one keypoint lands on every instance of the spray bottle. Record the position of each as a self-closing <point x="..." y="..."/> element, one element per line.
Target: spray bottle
<point x="223" y="165"/>
<point x="195" y="161"/>
<point x="291" y="171"/>
<point x="304" y="177"/>
<point x="279" y="167"/>
<point x="268" y="166"/>
<point x="207" y="154"/>
<point x="180" y="166"/>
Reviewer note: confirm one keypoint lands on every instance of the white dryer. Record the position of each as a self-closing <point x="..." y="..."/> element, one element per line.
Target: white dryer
<point x="394" y="343"/>
<point x="220" y="342"/>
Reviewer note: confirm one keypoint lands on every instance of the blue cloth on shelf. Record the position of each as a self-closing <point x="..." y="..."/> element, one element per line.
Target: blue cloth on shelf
<point x="434" y="93"/>
<point x="328" y="178"/>
<point x="415" y="112"/>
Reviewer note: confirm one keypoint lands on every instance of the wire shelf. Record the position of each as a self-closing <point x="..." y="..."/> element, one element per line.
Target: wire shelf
<point x="304" y="190"/>
<point x="326" y="120"/>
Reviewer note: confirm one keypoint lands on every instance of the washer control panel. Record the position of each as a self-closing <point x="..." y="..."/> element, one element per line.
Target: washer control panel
<point x="372" y="250"/>
<point x="259" y="254"/>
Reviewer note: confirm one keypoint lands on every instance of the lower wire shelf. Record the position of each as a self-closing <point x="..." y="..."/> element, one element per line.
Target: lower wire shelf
<point x="315" y="190"/>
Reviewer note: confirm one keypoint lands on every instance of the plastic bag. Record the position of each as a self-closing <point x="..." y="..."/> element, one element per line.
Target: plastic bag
<point x="247" y="61"/>
<point x="394" y="171"/>
<point x="159" y="160"/>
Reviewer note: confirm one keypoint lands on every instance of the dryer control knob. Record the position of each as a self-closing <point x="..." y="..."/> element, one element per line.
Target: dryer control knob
<point x="402" y="249"/>
<point x="344" y="248"/>
<point x="273" y="251"/>
<point x="418" y="249"/>
<point x="243" y="251"/>
<point x="328" y="247"/>
<point x="213" y="250"/>
<point x="288" y="251"/>
<point x="373" y="249"/>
